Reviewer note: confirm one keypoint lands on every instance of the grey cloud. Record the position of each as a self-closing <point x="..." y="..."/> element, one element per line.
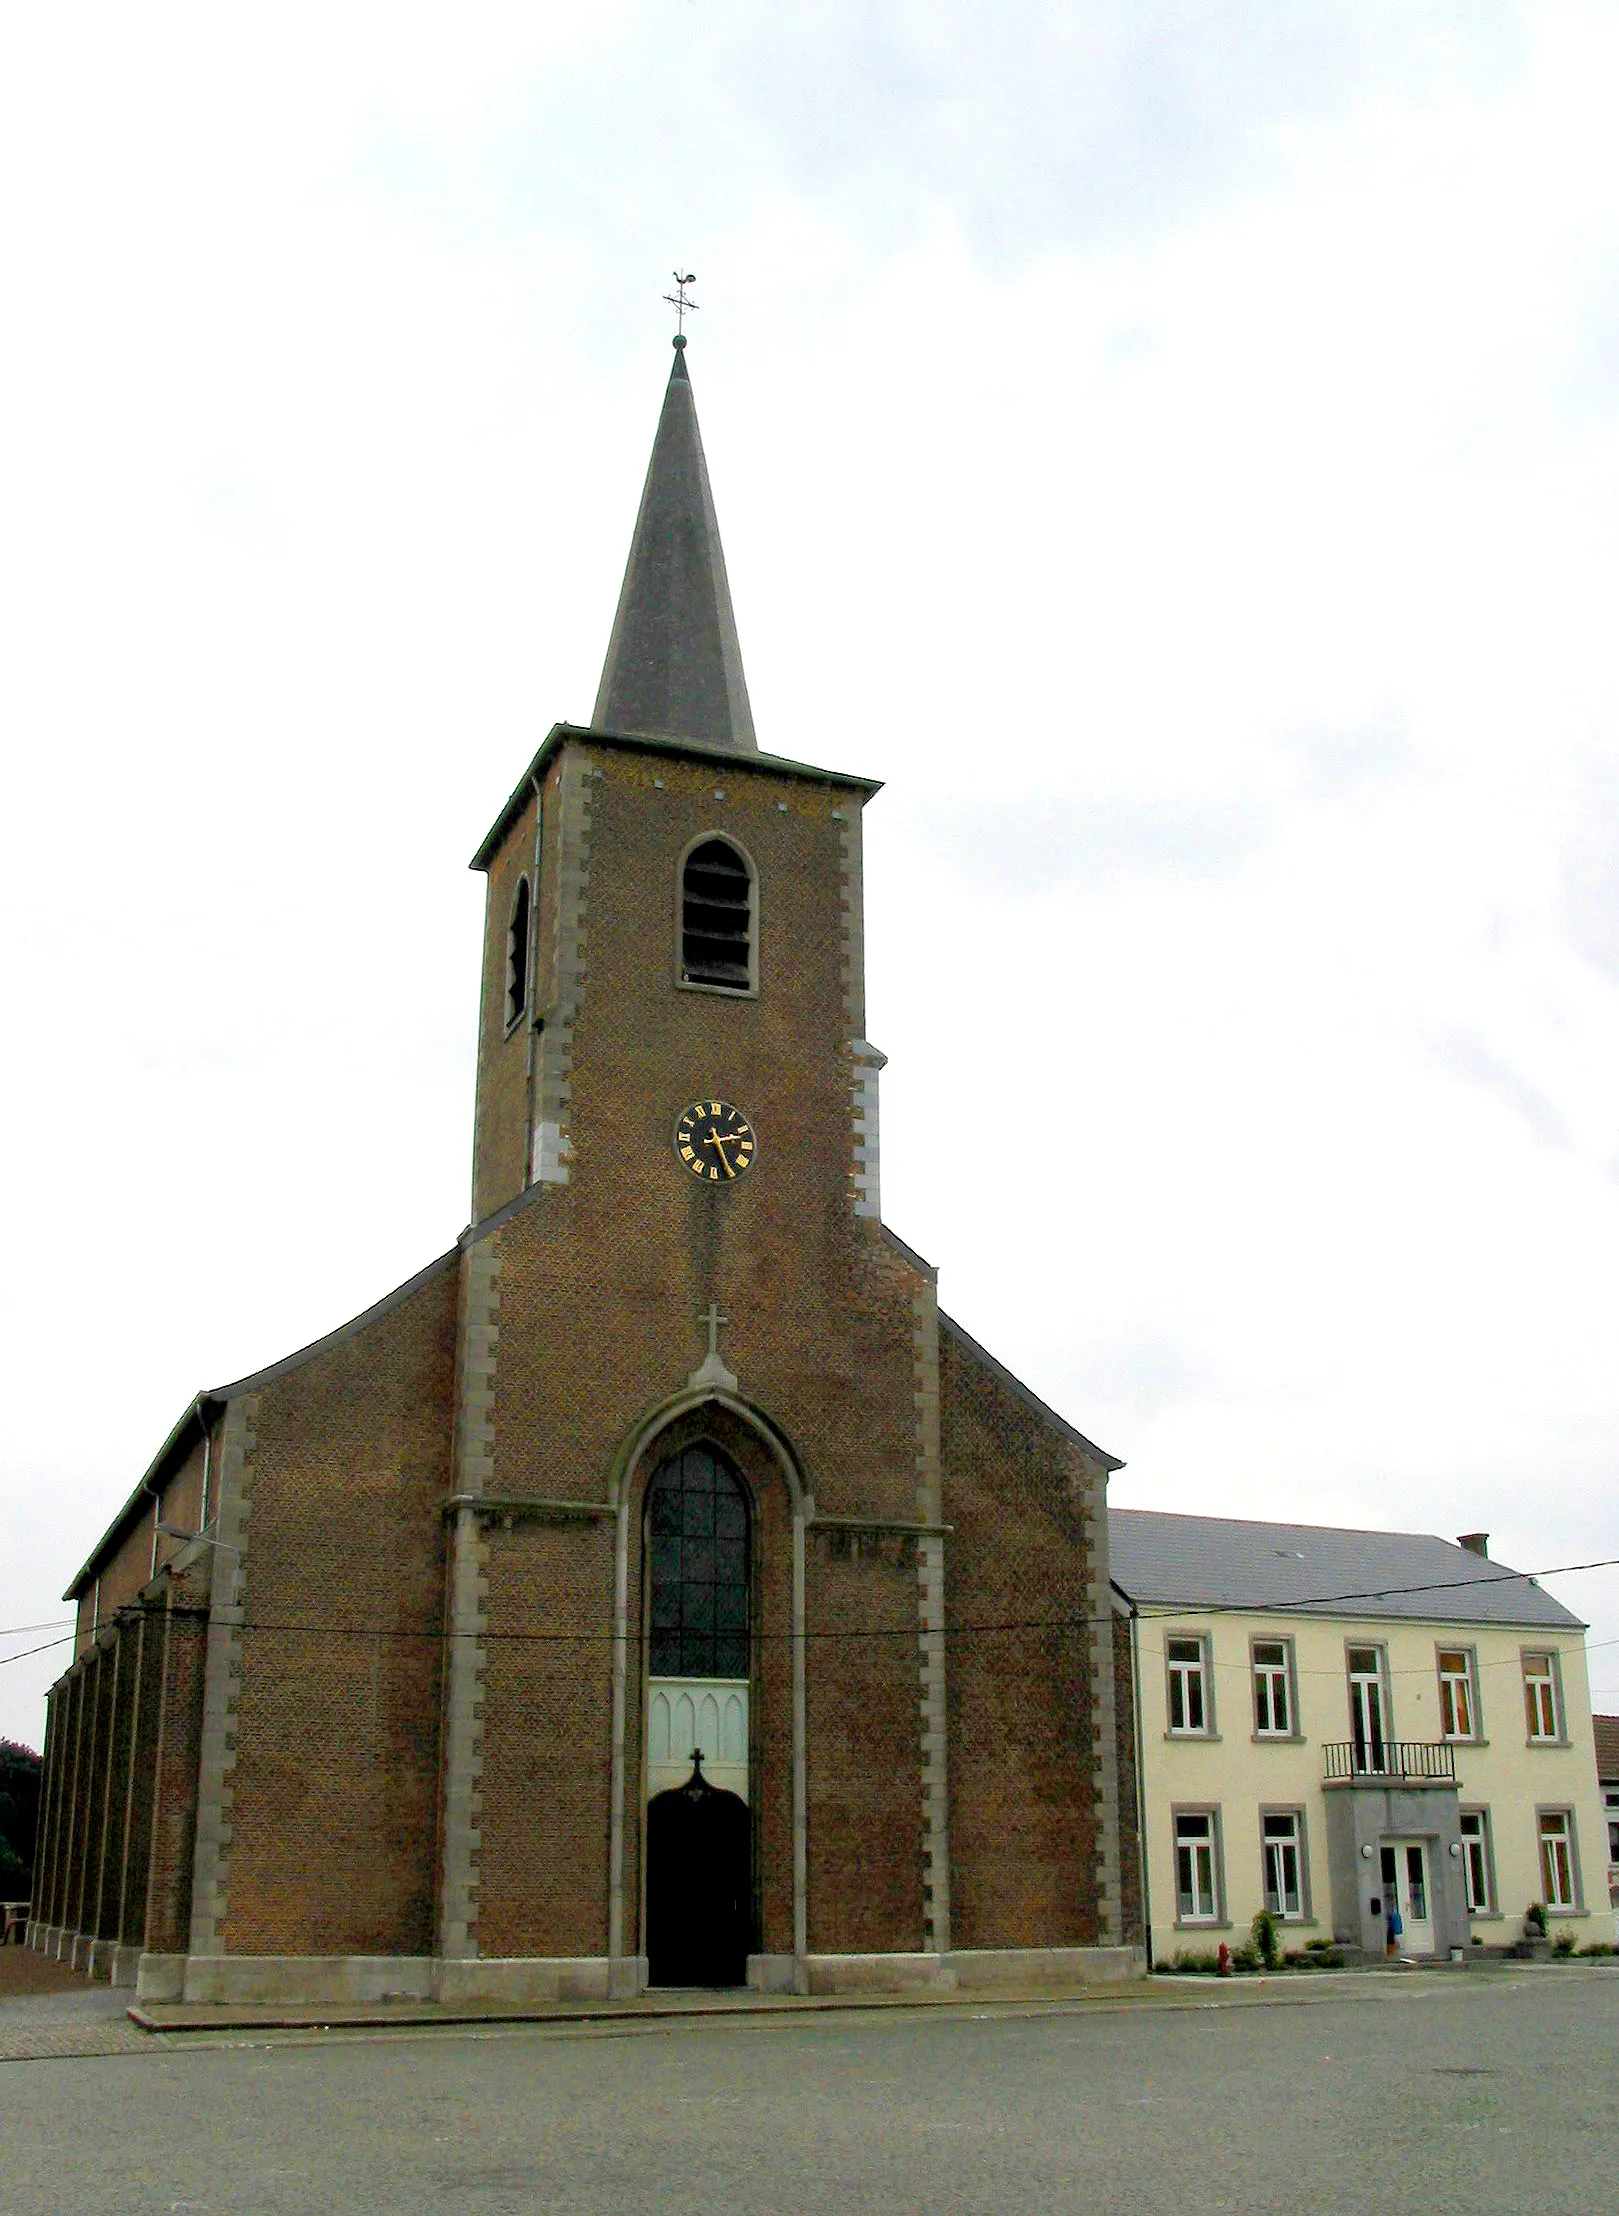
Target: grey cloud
<point x="1142" y="1374"/>
<point x="1466" y="1055"/>
<point x="1036" y="846"/>
<point x="1591" y="866"/>
<point x="1036" y="124"/>
<point x="1032" y="126"/>
<point x="1337" y="764"/>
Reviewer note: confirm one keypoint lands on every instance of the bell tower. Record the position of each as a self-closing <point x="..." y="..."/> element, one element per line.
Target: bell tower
<point x="669" y="901"/>
<point x="676" y="1251"/>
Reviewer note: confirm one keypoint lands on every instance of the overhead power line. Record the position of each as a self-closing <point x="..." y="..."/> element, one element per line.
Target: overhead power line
<point x="438" y="1632"/>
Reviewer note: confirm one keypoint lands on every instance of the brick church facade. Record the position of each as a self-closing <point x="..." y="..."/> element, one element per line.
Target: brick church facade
<point x="393" y="1672"/>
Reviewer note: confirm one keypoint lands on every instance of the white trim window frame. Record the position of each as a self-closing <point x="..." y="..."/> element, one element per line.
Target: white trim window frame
<point x="1559" y="1860"/>
<point x="1458" y="1693"/>
<point x="1198" y="1891"/>
<point x="1371" y="1707"/>
<point x="1542" y="1697"/>
<point x="1478" y="1861"/>
<point x="1189" y="1689"/>
<point x="1610" y="1808"/>
<point x="1275" y="1710"/>
<point x="1284" y="1866"/>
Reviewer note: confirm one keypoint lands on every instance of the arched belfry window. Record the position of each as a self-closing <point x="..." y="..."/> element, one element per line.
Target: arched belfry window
<point x="517" y="939"/>
<point x="716" y="917"/>
<point x="697" y="1536"/>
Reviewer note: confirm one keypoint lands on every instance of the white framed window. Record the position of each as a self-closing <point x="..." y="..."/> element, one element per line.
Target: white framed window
<point x="1542" y="1708"/>
<point x="1478" y="1862"/>
<point x="1197" y="1869"/>
<point x="1190" y="1708"/>
<point x="1559" y="1875"/>
<point x="1458" y="1693"/>
<point x="1282" y="1844"/>
<point x="1273" y="1689"/>
<point x="1611" y="1799"/>
<point x="1368" y="1708"/>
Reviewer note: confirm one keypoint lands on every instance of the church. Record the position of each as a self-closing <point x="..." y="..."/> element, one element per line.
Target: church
<point x="658" y="1589"/>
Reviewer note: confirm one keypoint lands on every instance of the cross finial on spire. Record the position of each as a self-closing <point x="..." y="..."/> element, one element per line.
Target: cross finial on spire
<point x="681" y="305"/>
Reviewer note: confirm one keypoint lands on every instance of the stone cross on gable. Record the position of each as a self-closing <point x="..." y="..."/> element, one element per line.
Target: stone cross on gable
<point x="712" y="1372"/>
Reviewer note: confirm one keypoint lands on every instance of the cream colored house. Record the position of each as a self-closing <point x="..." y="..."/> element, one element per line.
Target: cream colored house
<point x="1337" y="1724"/>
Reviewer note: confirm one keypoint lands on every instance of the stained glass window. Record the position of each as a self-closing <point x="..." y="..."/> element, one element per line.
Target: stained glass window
<point x="697" y="1535"/>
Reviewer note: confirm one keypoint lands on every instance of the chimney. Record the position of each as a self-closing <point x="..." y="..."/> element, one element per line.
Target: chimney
<point x="1476" y="1542"/>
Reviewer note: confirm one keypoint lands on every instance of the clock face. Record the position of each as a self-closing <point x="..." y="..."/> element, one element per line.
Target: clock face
<point x="714" y="1141"/>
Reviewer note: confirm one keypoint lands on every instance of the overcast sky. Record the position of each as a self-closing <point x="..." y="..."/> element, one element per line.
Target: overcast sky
<point x="1173" y="442"/>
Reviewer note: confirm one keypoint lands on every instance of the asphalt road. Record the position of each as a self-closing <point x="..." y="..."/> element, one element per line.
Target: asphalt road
<point x="1476" y="2094"/>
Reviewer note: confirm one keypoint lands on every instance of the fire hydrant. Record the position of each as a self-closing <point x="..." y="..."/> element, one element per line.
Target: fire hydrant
<point x="1225" y="1960"/>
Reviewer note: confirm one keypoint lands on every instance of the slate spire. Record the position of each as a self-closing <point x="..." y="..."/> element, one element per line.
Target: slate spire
<point x="674" y="666"/>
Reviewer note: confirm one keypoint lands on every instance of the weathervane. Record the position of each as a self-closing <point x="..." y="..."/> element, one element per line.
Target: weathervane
<point x="681" y="305"/>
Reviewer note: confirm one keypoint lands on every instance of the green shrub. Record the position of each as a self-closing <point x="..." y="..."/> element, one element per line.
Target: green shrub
<point x="1196" y="1962"/>
<point x="1599" y="1946"/>
<point x="1534" y="1918"/>
<point x="1244" y="1960"/>
<point x="1564" y="1944"/>
<point x="1265" y="1943"/>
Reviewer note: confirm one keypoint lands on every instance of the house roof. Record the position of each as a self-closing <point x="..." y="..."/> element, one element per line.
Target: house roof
<point x="1606" y="1729"/>
<point x="1317" y="1570"/>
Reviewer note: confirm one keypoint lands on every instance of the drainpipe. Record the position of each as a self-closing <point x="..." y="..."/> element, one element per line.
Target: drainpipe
<point x="1141" y="1783"/>
<point x="159" y="1528"/>
<point x="207" y="1468"/>
<point x="531" y="955"/>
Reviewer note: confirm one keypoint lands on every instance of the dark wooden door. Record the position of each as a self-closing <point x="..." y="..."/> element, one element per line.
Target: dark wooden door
<point x="698" y="1886"/>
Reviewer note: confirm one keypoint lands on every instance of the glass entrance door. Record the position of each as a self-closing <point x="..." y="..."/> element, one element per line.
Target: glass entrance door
<point x="1405" y="1887"/>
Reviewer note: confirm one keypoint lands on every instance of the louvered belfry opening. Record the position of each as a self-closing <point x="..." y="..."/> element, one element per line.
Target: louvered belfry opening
<point x="716" y="917"/>
<point x="517" y="954"/>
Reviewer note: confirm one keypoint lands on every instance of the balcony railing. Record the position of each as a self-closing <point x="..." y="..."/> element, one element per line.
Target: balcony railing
<point x="1392" y="1758"/>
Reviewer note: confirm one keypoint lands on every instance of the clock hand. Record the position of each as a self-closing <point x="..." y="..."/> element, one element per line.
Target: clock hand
<point x="719" y="1141"/>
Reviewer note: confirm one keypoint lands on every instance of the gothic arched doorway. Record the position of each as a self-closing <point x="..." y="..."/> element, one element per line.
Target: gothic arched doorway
<point x="697" y="1885"/>
<point x="699" y="1879"/>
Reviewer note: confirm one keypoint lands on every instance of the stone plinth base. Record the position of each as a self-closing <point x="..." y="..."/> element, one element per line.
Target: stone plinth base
<point x="521" y="1981"/>
<point x="543" y="1981"/>
<point x="983" y="1969"/>
<point x="878" y="1973"/>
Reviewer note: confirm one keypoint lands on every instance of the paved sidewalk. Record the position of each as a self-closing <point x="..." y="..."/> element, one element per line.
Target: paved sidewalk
<point x="66" y="2016"/>
<point x="77" y="2017"/>
<point x="1150" y="1992"/>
